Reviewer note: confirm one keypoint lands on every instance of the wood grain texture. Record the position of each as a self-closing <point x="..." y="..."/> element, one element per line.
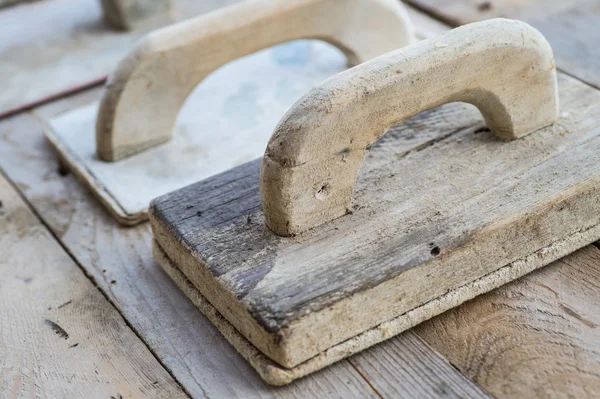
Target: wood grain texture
<point x="537" y="337"/>
<point x="461" y="199"/>
<point x="571" y="26"/>
<point x="120" y="261"/>
<point x="59" y="337"/>
<point x="419" y="363"/>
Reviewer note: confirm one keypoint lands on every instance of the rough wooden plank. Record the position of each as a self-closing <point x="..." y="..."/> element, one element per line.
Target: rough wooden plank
<point x="405" y="380"/>
<point x="59" y="337"/>
<point x="6" y="3"/>
<point x="570" y="26"/>
<point x="537" y="337"/>
<point x="65" y="45"/>
<point x="187" y="343"/>
<point x="461" y="198"/>
<point x="456" y="13"/>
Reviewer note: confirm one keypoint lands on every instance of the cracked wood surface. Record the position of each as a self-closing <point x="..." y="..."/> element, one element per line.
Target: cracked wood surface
<point x="59" y="337"/>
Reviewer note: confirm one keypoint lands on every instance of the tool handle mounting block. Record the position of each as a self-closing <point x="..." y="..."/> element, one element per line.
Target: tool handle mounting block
<point x="503" y="67"/>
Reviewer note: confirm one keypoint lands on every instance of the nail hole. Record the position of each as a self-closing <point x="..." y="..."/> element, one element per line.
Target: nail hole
<point x="322" y="192"/>
<point x="62" y="169"/>
<point x="435" y="251"/>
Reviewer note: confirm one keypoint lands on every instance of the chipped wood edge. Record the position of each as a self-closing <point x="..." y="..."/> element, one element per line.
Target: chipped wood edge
<point x="77" y="166"/>
<point x="274" y="374"/>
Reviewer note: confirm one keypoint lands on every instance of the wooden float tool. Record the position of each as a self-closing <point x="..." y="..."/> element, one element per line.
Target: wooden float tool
<point x="113" y="146"/>
<point x="344" y="236"/>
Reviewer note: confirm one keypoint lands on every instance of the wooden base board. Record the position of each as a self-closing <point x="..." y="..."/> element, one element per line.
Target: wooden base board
<point x="226" y="122"/>
<point x="428" y="217"/>
<point x="275" y="374"/>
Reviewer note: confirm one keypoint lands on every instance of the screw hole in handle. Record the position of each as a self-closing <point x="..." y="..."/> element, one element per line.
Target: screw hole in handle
<point x="503" y="67"/>
<point x="149" y="87"/>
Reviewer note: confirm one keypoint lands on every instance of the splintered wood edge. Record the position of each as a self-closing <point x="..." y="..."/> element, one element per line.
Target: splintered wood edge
<point x="77" y="166"/>
<point x="275" y="374"/>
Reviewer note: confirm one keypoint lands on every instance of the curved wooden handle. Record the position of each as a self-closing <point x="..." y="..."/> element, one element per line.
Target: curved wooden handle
<point x="505" y="68"/>
<point x="146" y="92"/>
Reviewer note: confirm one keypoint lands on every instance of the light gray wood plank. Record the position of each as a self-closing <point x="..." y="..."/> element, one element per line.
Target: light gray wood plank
<point x="537" y="337"/>
<point x="59" y="337"/>
<point x="6" y="3"/>
<point x="65" y="45"/>
<point x="460" y="12"/>
<point x="394" y="379"/>
<point x="185" y="341"/>
<point x="569" y="25"/>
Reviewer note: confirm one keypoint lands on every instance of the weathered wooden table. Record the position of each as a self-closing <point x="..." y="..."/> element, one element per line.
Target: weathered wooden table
<point x="86" y="312"/>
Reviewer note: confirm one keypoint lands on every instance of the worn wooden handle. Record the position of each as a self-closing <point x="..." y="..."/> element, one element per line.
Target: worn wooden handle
<point x="146" y="92"/>
<point x="505" y="68"/>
